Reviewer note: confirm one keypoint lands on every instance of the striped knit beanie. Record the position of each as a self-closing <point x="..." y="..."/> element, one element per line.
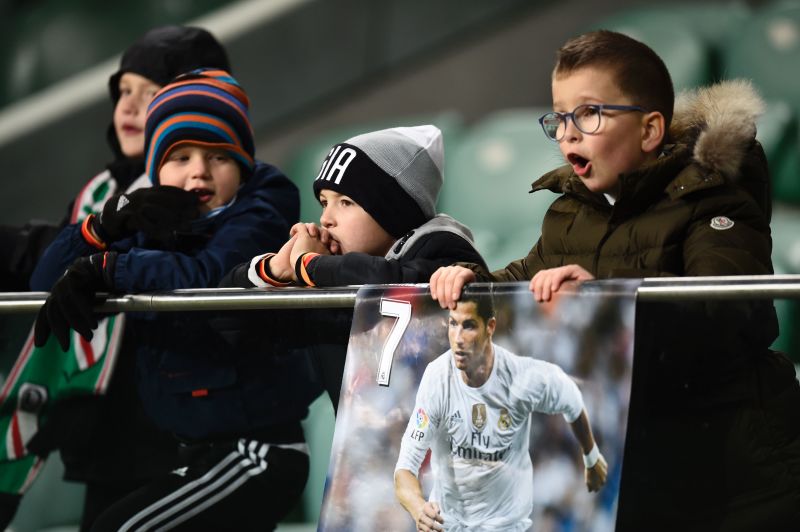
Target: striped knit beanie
<point x="393" y="174"/>
<point x="205" y="107"/>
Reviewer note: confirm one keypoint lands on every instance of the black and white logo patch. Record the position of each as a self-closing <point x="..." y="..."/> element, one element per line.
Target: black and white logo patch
<point x="721" y="223"/>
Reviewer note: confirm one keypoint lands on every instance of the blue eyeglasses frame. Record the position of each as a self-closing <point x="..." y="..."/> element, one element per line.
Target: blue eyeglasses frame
<point x="600" y="108"/>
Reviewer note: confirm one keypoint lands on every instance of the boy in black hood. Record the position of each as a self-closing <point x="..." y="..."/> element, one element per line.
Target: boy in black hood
<point x="107" y="441"/>
<point x="158" y="56"/>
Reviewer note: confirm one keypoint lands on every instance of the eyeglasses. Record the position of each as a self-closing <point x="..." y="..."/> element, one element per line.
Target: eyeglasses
<point x="585" y="117"/>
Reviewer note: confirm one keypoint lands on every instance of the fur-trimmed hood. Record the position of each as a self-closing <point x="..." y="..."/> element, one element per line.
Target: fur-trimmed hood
<point x="711" y="140"/>
<point x="720" y="122"/>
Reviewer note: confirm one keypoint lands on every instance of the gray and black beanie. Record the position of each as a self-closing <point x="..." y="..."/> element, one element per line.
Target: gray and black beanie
<point x="393" y="174"/>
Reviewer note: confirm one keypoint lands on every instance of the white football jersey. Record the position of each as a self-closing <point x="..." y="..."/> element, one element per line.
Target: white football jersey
<point x="479" y="437"/>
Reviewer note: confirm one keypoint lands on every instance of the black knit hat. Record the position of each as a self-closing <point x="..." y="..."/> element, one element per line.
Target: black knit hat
<point x="393" y="174"/>
<point x="160" y="55"/>
<point x="167" y="51"/>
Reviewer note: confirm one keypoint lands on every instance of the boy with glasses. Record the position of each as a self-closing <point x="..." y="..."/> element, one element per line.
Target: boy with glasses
<point x="646" y="195"/>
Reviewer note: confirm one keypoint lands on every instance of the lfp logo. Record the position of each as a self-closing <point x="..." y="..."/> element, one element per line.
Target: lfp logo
<point x="422" y="419"/>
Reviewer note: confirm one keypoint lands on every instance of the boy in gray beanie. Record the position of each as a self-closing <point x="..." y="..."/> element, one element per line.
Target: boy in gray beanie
<point x="379" y="225"/>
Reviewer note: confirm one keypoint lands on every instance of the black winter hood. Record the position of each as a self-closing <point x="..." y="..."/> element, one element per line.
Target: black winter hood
<point x="160" y="55"/>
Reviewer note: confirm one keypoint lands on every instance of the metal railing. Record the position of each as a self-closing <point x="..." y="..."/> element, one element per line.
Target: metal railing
<point x="651" y="289"/>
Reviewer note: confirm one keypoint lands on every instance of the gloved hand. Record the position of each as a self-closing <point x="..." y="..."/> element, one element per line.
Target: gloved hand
<point x="157" y="211"/>
<point x="72" y="299"/>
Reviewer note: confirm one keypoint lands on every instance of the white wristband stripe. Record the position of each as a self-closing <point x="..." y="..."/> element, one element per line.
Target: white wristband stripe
<point x="252" y="273"/>
<point x="591" y="458"/>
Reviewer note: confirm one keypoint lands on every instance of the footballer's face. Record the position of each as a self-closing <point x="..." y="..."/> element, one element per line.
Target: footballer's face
<point x="470" y="336"/>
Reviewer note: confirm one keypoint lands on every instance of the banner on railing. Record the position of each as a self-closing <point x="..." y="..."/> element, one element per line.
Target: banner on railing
<point x="467" y="400"/>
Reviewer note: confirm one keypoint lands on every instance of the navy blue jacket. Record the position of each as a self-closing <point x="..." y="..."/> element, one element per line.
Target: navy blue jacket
<point x="195" y="381"/>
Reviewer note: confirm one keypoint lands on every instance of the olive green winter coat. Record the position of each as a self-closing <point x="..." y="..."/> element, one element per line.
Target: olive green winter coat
<point x="713" y="440"/>
<point x="702" y="208"/>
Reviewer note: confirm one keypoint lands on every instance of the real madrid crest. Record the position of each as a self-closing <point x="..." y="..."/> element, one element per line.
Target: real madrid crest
<point x="721" y="223"/>
<point x="504" y="422"/>
<point x="479" y="416"/>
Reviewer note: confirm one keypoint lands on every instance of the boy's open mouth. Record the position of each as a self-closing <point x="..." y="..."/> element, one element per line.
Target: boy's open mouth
<point x="580" y="165"/>
<point x="203" y="194"/>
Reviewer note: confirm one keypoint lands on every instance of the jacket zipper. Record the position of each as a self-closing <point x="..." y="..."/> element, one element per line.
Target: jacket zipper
<point x="596" y="261"/>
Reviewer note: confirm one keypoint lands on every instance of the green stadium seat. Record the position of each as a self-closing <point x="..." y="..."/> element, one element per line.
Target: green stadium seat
<point x="786" y="260"/>
<point x="788" y="314"/>
<point x="767" y="50"/>
<point x="674" y="32"/>
<point x="786" y="238"/>
<point x="663" y="25"/>
<point x="304" y="163"/>
<point x="516" y="244"/>
<point x="318" y="428"/>
<point x="51" y="503"/>
<point x="778" y="134"/>
<point x="51" y="40"/>
<point x="488" y="176"/>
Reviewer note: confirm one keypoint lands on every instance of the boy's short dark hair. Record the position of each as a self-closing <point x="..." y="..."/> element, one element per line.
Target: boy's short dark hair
<point x="639" y="71"/>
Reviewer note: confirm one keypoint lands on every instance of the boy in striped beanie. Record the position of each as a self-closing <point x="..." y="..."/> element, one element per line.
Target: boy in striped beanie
<point x="202" y="114"/>
<point x="198" y="139"/>
<point x="235" y="411"/>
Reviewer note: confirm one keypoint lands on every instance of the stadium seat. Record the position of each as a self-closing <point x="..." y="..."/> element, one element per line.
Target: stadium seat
<point x="778" y="134"/>
<point x="51" y="504"/>
<point x="304" y="163"/>
<point x="788" y="315"/>
<point x="318" y="428"/>
<point x="51" y="40"/>
<point x="767" y="50"/>
<point x="786" y="260"/>
<point x="712" y="24"/>
<point x="679" y="35"/>
<point x="488" y="176"/>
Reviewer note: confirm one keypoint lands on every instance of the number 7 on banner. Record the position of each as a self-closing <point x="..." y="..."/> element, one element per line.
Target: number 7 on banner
<point x="402" y="311"/>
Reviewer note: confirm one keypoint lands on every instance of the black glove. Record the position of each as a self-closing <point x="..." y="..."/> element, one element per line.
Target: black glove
<point x="72" y="299"/>
<point x="157" y="211"/>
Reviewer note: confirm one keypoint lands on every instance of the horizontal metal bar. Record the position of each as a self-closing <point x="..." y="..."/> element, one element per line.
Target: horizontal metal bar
<point x="651" y="289"/>
<point x="200" y="299"/>
<point x="720" y="288"/>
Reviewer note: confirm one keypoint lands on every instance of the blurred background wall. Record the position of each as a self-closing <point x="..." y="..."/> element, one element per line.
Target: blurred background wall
<point x="320" y="71"/>
<point x="309" y="65"/>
